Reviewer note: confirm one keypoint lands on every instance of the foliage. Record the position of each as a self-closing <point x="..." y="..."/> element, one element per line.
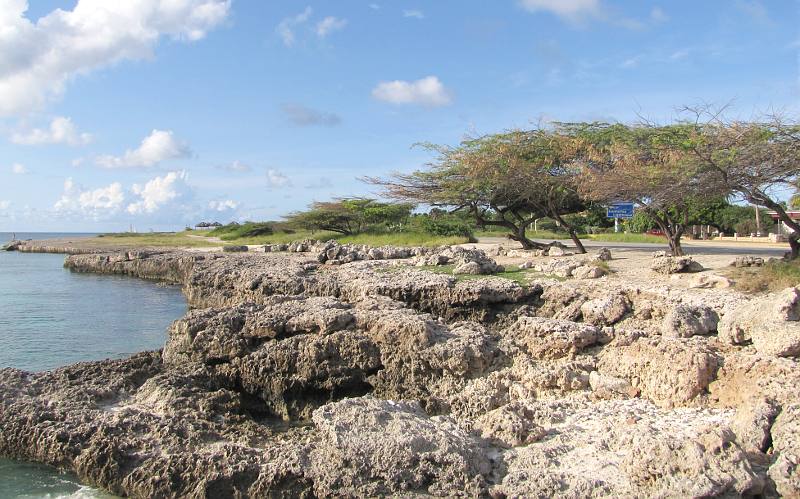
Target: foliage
<point x="248" y="229"/>
<point x="351" y="216"/>
<point x="444" y="224"/>
<point x="502" y="180"/>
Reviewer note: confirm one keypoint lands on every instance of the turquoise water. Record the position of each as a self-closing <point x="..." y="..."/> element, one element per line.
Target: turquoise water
<point x="52" y="317"/>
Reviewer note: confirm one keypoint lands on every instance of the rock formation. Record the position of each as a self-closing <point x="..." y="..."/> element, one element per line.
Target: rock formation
<point x="344" y="371"/>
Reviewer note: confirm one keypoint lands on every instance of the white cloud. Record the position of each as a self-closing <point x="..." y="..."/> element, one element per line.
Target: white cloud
<point x="305" y="116"/>
<point x="226" y="205"/>
<point x="374" y="6"/>
<point x="658" y="15"/>
<point x="61" y="131"/>
<point x="418" y="14"/>
<point x="37" y="59"/>
<point x="159" y="192"/>
<point x="286" y="27"/>
<point x="277" y="179"/>
<point x="631" y="63"/>
<point x="159" y="146"/>
<point x="18" y="169"/>
<point x="96" y="203"/>
<point x="570" y="10"/>
<point x="236" y="167"/>
<point x="4" y="205"/>
<point x="329" y="25"/>
<point x="428" y="91"/>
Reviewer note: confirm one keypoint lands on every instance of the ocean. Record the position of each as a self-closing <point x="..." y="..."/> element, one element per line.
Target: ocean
<point x="52" y="317"/>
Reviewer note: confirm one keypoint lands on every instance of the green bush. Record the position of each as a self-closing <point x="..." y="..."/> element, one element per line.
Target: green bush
<point x="443" y="225"/>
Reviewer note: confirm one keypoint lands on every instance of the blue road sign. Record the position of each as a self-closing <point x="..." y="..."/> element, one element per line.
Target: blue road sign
<point x="620" y="210"/>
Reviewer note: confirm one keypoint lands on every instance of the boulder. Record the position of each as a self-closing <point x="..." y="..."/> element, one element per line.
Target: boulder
<point x="785" y="471"/>
<point x="684" y="321"/>
<point x="368" y="447"/>
<point x="543" y="338"/>
<point x="649" y="365"/>
<point x="611" y="386"/>
<point x="588" y="272"/>
<point x="771" y="323"/>
<point x="606" y="311"/>
<point x="472" y="268"/>
<point x="752" y="424"/>
<point x="603" y="254"/>
<point x="512" y="425"/>
<point x="747" y="261"/>
<point x="706" y="281"/>
<point x="672" y="265"/>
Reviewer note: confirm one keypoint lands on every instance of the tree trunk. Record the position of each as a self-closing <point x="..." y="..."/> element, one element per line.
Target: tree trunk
<point x="575" y="239"/>
<point x="675" y="244"/>
<point x="794" y="245"/>
<point x="527" y="244"/>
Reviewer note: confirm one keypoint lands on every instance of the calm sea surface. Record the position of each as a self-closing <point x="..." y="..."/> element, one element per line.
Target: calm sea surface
<point x="50" y="317"/>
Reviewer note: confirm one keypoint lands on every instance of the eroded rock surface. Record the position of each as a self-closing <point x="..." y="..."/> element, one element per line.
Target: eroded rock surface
<point x="317" y="369"/>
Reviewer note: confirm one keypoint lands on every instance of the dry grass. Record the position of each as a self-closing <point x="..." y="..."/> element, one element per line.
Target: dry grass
<point x="773" y="276"/>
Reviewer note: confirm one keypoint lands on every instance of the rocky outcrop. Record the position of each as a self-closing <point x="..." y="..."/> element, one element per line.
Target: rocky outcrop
<point x="303" y="375"/>
<point x="649" y="364"/>
<point x="771" y="323"/>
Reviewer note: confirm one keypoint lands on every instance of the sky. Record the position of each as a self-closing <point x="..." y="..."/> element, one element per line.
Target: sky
<point x="157" y="114"/>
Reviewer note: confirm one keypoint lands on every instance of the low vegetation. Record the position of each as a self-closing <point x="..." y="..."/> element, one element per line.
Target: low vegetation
<point x="775" y="275"/>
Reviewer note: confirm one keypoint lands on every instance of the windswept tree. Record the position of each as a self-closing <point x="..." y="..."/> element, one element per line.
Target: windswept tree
<point x="756" y="160"/>
<point x="350" y="216"/>
<point x="505" y="180"/>
<point x="651" y="166"/>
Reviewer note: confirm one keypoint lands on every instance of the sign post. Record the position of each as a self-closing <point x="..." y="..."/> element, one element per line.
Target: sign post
<point x="619" y="210"/>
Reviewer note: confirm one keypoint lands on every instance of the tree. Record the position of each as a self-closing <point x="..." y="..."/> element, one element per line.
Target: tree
<point x="349" y="216"/>
<point x="648" y="165"/>
<point x="505" y="180"/>
<point x="753" y="159"/>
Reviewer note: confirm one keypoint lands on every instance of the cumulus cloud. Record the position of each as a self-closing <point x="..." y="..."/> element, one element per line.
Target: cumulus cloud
<point x="417" y="14"/>
<point x="4" y="205"/>
<point x="301" y="115"/>
<point x="287" y="26"/>
<point x="571" y="10"/>
<point x="277" y="179"/>
<point x="236" y="167"/>
<point x="226" y="205"/>
<point x="159" y="192"/>
<point x="60" y="131"/>
<point x="329" y="25"/>
<point x="97" y="203"/>
<point x="18" y="169"/>
<point x="37" y="59"/>
<point x="159" y="146"/>
<point x="428" y="91"/>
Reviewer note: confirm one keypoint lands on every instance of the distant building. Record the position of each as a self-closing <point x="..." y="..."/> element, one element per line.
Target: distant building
<point x="207" y="225"/>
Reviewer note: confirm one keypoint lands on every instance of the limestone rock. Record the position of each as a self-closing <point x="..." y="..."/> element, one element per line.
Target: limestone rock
<point x="672" y="265"/>
<point x="605" y="311"/>
<point x="707" y="281"/>
<point x="603" y="254"/>
<point x="752" y="424"/>
<point x="509" y="426"/>
<point x="588" y="272"/>
<point x="771" y="322"/>
<point x="747" y="261"/>
<point x="371" y="447"/>
<point x="609" y="386"/>
<point x="684" y="321"/>
<point x="649" y="364"/>
<point x="785" y="471"/>
<point x="544" y="338"/>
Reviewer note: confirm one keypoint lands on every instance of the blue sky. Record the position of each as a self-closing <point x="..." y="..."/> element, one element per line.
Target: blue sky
<point x="158" y="114"/>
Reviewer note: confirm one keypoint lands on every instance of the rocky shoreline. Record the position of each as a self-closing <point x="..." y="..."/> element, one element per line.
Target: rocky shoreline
<point x="298" y="374"/>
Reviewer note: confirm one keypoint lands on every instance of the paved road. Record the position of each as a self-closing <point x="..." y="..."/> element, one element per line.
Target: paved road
<point x="689" y="247"/>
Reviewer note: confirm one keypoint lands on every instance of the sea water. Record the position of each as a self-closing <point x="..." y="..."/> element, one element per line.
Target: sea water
<point x="51" y="317"/>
